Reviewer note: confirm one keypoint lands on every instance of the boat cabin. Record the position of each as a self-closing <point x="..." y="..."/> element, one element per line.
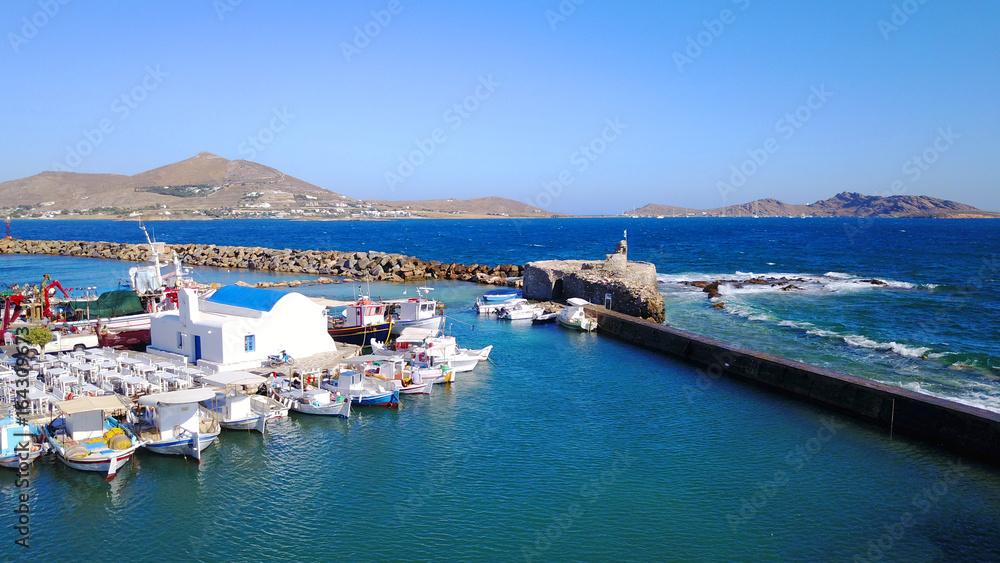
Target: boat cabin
<point x="175" y="412"/>
<point x="84" y="418"/>
<point x="360" y="313"/>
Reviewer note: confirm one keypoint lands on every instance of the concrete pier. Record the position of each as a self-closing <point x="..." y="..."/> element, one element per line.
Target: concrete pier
<point x="966" y="429"/>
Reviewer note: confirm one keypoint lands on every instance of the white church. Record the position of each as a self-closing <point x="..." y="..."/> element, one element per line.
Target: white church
<point x="239" y="327"/>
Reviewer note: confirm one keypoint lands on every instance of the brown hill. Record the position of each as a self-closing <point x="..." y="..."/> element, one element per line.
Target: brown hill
<point x="205" y="181"/>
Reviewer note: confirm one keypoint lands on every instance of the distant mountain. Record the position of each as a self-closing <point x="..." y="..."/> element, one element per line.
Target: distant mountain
<point x="207" y="184"/>
<point x="845" y="204"/>
<point x="477" y="206"/>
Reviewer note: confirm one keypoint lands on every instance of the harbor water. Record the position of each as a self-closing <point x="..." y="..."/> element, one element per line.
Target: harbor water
<point x="572" y="446"/>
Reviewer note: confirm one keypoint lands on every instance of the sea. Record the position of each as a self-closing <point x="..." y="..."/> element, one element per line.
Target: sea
<point x="577" y="447"/>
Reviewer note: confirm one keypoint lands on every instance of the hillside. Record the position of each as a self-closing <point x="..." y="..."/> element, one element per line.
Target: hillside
<point x="845" y="204"/>
<point x="212" y="186"/>
<point x="196" y="185"/>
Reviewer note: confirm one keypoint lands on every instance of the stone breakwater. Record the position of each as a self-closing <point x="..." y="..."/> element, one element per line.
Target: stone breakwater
<point x="626" y="286"/>
<point x="379" y="266"/>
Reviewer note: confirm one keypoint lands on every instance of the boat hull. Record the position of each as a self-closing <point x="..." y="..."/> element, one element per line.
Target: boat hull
<point x="136" y="339"/>
<point x="108" y="465"/>
<point x="578" y="325"/>
<point x="387" y="399"/>
<point x="14" y="461"/>
<point x="433" y="323"/>
<point x="361" y="335"/>
<point x="182" y="446"/>
<point x="245" y="424"/>
<point x="340" y="408"/>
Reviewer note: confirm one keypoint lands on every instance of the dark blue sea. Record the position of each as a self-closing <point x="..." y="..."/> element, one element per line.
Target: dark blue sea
<point x="573" y="446"/>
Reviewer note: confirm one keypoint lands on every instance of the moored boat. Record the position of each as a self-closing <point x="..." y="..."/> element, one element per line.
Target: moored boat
<point x="522" y="311"/>
<point x="173" y="423"/>
<point x="419" y="312"/>
<point x="20" y="442"/>
<point x="237" y="405"/>
<point x="546" y="318"/>
<point x="501" y="294"/>
<point x="360" y="322"/>
<point x="362" y="390"/>
<point x="311" y="400"/>
<point x="575" y="317"/>
<point x="85" y="437"/>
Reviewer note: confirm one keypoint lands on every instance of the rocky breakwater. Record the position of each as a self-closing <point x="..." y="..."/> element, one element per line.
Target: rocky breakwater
<point x="378" y="266"/>
<point x="631" y="285"/>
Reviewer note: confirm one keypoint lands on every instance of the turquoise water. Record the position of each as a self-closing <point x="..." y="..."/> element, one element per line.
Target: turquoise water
<point x="570" y="446"/>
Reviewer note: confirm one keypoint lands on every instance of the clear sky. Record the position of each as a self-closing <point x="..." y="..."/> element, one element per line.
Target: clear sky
<point x="578" y="106"/>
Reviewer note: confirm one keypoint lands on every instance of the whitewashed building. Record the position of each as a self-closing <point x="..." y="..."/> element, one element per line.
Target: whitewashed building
<point x="238" y="327"/>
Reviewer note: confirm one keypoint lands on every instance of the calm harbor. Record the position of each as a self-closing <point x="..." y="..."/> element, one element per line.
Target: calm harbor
<point x="568" y="445"/>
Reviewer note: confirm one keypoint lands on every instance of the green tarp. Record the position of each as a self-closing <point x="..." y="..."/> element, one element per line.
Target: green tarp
<point x="110" y="304"/>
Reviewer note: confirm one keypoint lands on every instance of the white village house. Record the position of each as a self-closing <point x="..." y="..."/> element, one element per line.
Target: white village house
<point x="238" y="327"/>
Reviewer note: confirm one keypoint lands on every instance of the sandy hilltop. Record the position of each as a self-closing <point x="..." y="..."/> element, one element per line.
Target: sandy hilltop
<point x="208" y="186"/>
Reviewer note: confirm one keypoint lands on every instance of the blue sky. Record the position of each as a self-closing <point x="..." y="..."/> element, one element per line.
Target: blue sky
<point x="584" y="106"/>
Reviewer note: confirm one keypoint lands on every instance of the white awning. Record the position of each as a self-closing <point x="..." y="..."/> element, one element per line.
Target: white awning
<point x="577" y="301"/>
<point x="177" y="397"/>
<point x="369" y="358"/>
<point x="86" y="404"/>
<point x="222" y="379"/>
<point x="415" y="334"/>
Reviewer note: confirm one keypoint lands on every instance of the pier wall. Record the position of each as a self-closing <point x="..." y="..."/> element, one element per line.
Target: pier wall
<point x="970" y="430"/>
<point x="379" y="266"/>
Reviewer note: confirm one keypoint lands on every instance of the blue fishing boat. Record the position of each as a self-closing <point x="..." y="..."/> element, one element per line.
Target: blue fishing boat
<point x="19" y="442"/>
<point x="361" y="389"/>
<point x="360" y="322"/>
<point x="502" y="294"/>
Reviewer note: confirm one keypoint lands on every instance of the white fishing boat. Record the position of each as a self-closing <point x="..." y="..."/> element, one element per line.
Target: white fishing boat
<point x="174" y="423"/>
<point x="484" y="307"/>
<point x="87" y="438"/>
<point x="310" y="400"/>
<point x="398" y="373"/>
<point x="20" y="442"/>
<point x="361" y="389"/>
<point x="575" y="317"/>
<point x="431" y="349"/>
<point x="520" y="312"/>
<point x="482" y="353"/>
<point x="236" y="403"/>
<point x="419" y="312"/>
